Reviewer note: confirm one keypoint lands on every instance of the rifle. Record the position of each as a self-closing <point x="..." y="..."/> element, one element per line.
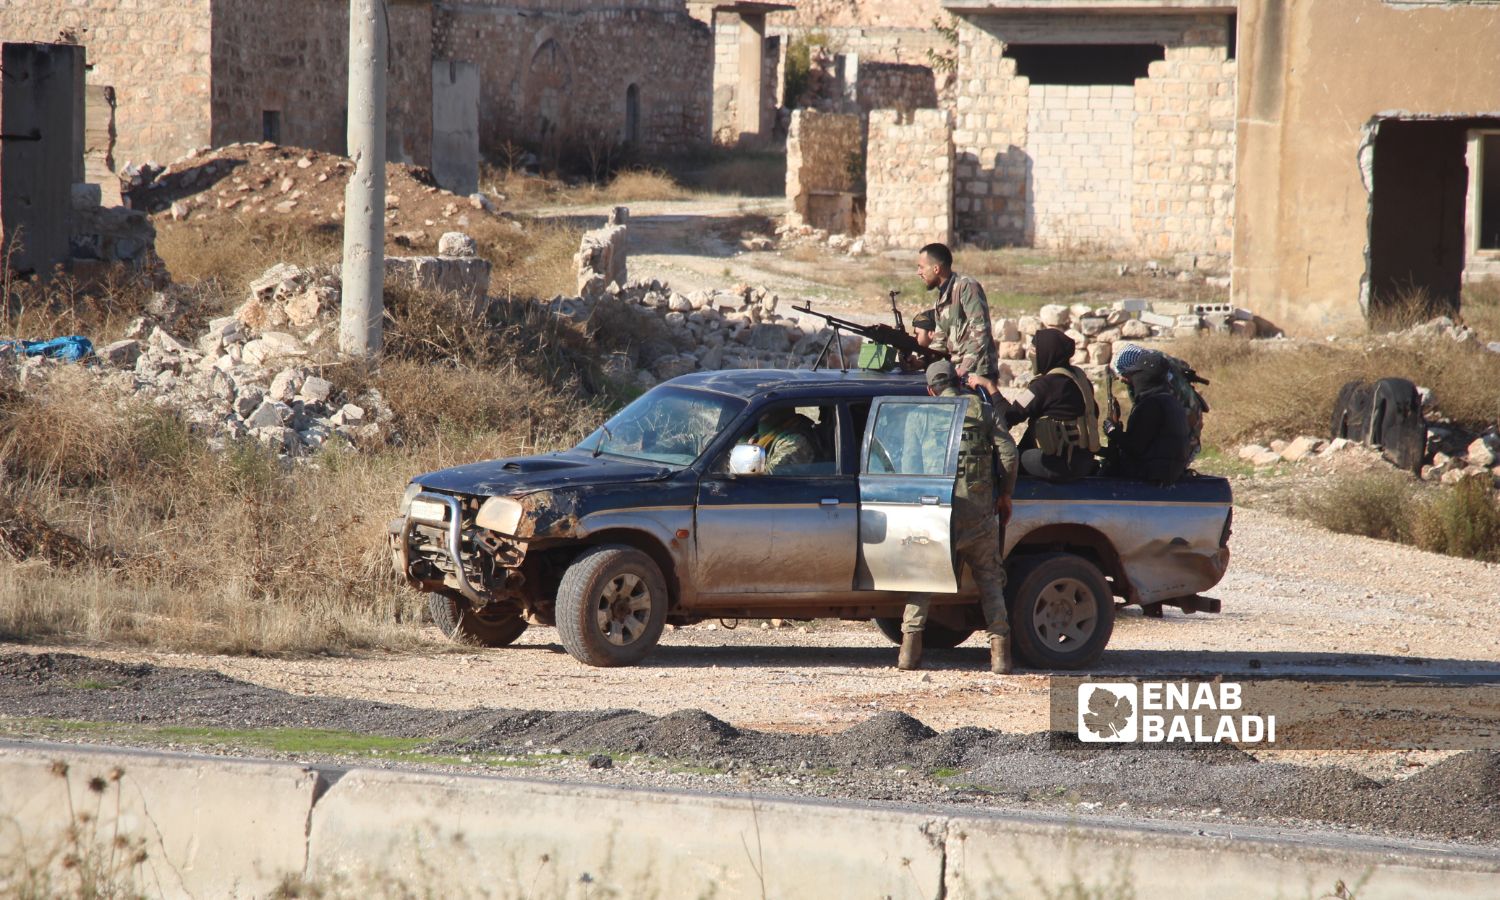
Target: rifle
<point x="1112" y="412"/>
<point x="886" y="335"/>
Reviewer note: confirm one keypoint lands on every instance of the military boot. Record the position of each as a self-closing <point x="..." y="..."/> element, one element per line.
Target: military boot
<point x="1000" y="661"/>
<point x="911" y="651"/>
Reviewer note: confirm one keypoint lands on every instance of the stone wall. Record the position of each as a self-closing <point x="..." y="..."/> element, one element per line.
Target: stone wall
<point x="1079" y="141"/>
<point x="1184" y="151"/>
<point x="300" y="69"/>
<point x="726" y="75"/>
<point x="1164" y="143"/>
<point x="882" y="85"/>
<point x="555" y="73"/>
<point x="909" y="179"/>
<point x="155" y="53"/>
<point x="864" y="13"/>
<point x="822" y="165"/>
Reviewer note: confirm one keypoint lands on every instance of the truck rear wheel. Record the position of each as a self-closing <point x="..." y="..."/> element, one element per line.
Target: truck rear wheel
<point x="1061" y="611"/>
<point x="492" y="626"/>
<point x="611" y="606"/>
<point x="934" y="636"/>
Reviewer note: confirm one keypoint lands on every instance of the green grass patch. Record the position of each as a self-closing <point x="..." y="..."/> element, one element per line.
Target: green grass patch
<point x="295" y="740"/>
<point x="946" y="772"/>
<point x="1214" y="461"/>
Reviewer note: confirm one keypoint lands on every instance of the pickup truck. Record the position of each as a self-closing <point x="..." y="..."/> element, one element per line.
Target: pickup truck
<point x="666" y="515"/>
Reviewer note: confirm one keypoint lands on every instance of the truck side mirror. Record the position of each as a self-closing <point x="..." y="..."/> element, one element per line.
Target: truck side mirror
<point x="747" y="459"/>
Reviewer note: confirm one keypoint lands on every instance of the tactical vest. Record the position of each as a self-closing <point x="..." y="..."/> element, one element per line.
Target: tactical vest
<point x="1060" y="437"/>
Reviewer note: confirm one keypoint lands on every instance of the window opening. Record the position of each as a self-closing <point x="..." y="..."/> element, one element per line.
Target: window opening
<point x="633" y="114"/>
<point x="1489" y="194"/>
<point x="1232" y="39"/>
<point x="1084" y="63"/>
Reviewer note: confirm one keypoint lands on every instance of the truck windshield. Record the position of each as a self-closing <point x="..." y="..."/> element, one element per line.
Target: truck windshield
<point x="669" y="425"/>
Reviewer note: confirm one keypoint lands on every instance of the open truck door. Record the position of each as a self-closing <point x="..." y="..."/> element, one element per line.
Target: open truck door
<point x="907" y="469"/>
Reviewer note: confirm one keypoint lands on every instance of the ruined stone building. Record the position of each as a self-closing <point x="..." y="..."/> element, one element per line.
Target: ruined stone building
<point x="1369" y="154"/>
<point x="189" y="73"/>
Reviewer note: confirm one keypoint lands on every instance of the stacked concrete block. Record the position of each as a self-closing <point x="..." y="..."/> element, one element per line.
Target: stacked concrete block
<point x="909" y="179"/>
<point x="822" y="159"/>
<point x="1185" y="154"/>
<point x="1079" y="138"/>
<point x="990" y="132"/>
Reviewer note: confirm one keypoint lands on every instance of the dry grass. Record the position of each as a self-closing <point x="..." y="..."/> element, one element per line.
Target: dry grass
<point x="1263" y="391"/>
<point x="1462" y="520"/>
<point x="237" y="552"/>
<point x="1480" y="309"/>
<point x="232" y="251"/>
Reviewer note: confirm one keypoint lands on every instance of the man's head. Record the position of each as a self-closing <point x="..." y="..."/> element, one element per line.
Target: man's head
<point x="934" y="264"/>
<point x="1050" y="349"/>
<point x="773" y="420"/>
<point x="1140" y="367"/>
<point x="924" y="324"/>
<point x="940" y="377"/>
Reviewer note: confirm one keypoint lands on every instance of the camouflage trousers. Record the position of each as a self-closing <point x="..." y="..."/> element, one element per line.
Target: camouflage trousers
<point x="978" y="546"/>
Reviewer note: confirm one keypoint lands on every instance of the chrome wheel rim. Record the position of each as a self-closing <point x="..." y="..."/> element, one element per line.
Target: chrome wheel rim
<point x="1065" y="614"/>
<point x="623" y="609"/>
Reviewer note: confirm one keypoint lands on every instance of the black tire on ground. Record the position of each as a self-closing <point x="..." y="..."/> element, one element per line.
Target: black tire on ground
<point x="611" y="606"/>
<point x="1061" y="611"/>
<point x="456" y="618"/>
<point x="934" y="636"/>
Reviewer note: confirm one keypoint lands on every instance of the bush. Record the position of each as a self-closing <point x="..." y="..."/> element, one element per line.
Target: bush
<point x="1372" y="504"/>
<point x="1462" y="521"/>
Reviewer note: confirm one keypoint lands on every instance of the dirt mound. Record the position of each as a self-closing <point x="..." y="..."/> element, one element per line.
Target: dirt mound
<point x="303" y="188"/>
<point x="1459" y="798"/>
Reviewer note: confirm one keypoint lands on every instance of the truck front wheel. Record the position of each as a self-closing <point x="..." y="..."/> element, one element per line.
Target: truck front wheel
<point x="611" y="606"/>
<point x="491" y="626"/>
<point x="1061" y="611"/>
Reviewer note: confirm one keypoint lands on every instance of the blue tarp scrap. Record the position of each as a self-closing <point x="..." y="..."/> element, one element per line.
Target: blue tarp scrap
<point x="72" y="348"/>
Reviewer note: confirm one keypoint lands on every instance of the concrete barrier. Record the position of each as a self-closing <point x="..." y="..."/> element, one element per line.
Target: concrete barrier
<point x="207" y="827"/>
<point x="213" y="827"/>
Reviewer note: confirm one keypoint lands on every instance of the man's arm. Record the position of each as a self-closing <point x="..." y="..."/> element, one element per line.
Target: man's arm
<point x="976" y="343"/>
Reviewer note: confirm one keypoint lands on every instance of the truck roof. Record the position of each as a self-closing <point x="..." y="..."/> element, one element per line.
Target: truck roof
<point x="749" y="383"/>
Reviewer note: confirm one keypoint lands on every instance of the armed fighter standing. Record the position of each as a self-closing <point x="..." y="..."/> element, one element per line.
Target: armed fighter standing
<point x="963" y="314"/>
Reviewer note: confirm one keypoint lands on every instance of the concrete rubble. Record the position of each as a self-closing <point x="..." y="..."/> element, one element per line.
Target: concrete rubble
<point x="1478" y="458"/>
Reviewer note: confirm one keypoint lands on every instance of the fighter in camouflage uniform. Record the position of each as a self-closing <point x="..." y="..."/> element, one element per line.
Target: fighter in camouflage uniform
<point x="963" y="328"/>
<point x="788" y="439"/>
<point x="981" y="507"/>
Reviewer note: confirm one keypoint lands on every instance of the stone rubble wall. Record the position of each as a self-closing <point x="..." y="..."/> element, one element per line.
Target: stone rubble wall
<point x="909" y="180"/>
<point x="726" y="75"/>
<point x="553" y="73"/>
<point x="292" y="56"/>
<point x="601" y="259"/>
<point x="822" y="155"/>
<point x="1181" y="139"/>
<point x="99" y="139"/>
<point x="903" y="86"/>
<point x="882" y="14"/>
<point x="155" y="53"/>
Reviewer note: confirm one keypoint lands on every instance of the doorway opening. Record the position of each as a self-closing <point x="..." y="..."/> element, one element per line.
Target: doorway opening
<point x="633" y="115"/>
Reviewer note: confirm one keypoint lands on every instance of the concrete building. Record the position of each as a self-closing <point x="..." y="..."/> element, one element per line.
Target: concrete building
<point x="1097" y="125"/>
<point x="1368" y="155"/>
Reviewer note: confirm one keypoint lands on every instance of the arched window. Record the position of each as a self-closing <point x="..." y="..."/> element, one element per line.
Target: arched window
<point x="633" y="114"/>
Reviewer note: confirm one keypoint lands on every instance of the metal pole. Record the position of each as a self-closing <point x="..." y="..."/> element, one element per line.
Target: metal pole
<point x="364" y="199"/>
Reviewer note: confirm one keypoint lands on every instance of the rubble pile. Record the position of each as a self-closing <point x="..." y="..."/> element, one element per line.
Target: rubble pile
<point x="1480" y="458"/>
<point x="739" y="328"/>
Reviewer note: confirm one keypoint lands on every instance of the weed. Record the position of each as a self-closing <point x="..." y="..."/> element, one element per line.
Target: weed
<point x="92" y="857"/>
<point x="1480" y="308"/>
<point x="1461" y="521"/>
<point x="1372" y="504"/>
<point x="1407" y="306"/>
<point x="946" y="772"/>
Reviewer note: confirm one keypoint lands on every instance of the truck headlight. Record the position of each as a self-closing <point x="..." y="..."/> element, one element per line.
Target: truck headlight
<point x="500" y="514"/>
<point x="412" y="490"/>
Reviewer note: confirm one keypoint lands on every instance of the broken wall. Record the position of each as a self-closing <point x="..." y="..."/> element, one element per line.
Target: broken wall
<point x="909" y="179"/>
<point x="823" y="164"/>
<point x="727" y="74"/>
<point x="1306" y="150"/>
<point x="455" y="126"/>
<point x="558" y="73"/>
<point x="885" y="85"/>
<point x="1163" y="140"/>
<point x="291" y="58"/>
<point x="155" y="53"/>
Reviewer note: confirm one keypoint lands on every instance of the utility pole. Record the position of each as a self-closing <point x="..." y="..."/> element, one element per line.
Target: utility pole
<point x="364" y="199"/>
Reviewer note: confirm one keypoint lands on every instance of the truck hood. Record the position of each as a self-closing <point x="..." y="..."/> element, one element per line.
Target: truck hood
<point x="527" y="474"/>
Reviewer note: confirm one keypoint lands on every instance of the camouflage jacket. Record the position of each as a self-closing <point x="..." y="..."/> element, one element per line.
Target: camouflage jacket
<point x="984" y="442"/>
<point x="963" y="326"/>
<point x="790" y="444"/>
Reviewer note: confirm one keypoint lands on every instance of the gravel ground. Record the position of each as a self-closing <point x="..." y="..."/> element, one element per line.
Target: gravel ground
<point x="888" y="757"/>
<point x="774" y="708"/>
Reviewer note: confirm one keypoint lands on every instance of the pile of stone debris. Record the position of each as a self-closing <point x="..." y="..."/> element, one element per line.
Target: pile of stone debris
<point x="1479" y="459"/>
